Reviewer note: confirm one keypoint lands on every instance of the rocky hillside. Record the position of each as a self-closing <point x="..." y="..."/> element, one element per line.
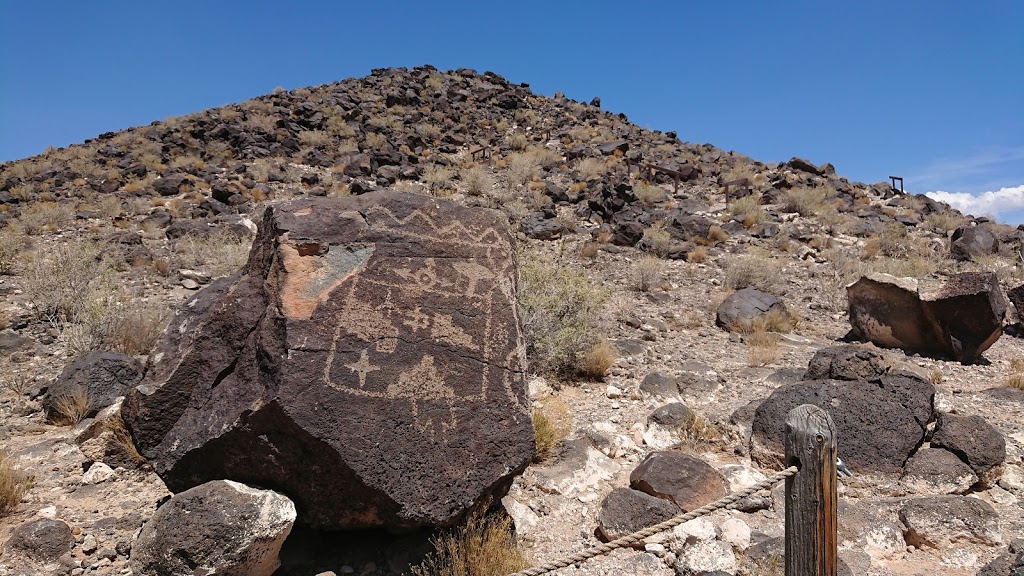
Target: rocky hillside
<point x="676" y="300"/>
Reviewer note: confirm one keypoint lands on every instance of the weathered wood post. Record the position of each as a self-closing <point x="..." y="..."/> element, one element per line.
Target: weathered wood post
<point x="811" y="518"/>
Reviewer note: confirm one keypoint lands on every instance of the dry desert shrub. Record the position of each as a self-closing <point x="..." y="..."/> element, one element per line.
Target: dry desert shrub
<point x="478" y="181"/>
<point x="748" y="210"/>
<point x="522" y="166"/>
<point x="697" y="255"/>
<point x="11" y="245"/>
<point x="485" y="546"/>
<point x="647" y="272"/>
<point x="437" y="177"/>
<point x="117" y="321"/>
<point x="717" y="234"/>
<point x="935" y="376"/>
<point x="216" y="254"/>
<point x="551" y="424"/>
<point x="657" y="239"/>
<point x="755" y="269"/>
<point x="14" y="484"/>
<point x="648" y="194"/>
<point x="517" y="141"/>
<point x="944" y="222"/>
<point x="559" y="309"/>
<point x="44" y="216"/>
<point x="587" y="168"/>
<point x="59" y="284"/>
<point x="807" y="201"/>
<point x="696" y="434"/>
<point x="72" y="407"/>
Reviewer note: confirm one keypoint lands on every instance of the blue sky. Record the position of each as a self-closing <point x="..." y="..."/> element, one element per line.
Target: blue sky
<point x="929" y="90"/>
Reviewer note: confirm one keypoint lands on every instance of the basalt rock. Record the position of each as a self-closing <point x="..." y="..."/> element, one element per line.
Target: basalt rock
<point x="367" y="362"/>
<point x="959" y="318"/>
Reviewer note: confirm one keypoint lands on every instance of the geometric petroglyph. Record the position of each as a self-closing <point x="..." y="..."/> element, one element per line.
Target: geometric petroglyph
<point x="437" y="306"/>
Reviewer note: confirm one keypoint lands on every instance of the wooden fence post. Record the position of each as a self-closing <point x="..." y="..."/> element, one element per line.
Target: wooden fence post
<point x="811" y="500"/>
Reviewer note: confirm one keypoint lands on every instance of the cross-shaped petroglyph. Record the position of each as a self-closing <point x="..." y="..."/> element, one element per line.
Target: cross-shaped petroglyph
<point x="362" y="367"/>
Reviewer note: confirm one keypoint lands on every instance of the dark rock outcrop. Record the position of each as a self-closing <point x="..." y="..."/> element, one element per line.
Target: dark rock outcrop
<point x="367" y="362"/>
<point x="877" y="431"/>
<point x="972" y="242"/>
<point x="846" y="363"/>
<point x="959" y="318"/>
<point x="220" y="527"/>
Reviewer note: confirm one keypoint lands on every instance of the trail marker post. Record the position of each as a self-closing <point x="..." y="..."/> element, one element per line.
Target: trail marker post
<point x="811" y="494"/>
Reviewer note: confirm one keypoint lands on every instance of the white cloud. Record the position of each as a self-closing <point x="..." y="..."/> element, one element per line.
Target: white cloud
<point x="994" y="204"/>
<point x="970" y="170"/>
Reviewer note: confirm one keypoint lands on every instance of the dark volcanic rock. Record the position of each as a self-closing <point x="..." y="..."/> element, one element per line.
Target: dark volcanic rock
<point x="44" y="540"/>
<point x="221" y="527"/>
<point x="876" y="431"/>
<point x="688" y="481"/>
<point x="742" y="308"/>
<point x="973" y="242"/>
<point x="846" y="363"/>
<point x="973" y="440"/>
<point x="959" y="318"/>
<point x="367" y="362"/>
<point x="938" y="521"/>
<point x="625" y="511"/>
<point x="937" y="471"/>
<point x="103" y="376"/>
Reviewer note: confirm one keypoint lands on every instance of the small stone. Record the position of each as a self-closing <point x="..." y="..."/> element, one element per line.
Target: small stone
<point x="613" y="392"/>
<point x="189" y="284"/>
<point x="89" y="544"/>
<point x="98" y="472"/>
<point x="736" y="532"/>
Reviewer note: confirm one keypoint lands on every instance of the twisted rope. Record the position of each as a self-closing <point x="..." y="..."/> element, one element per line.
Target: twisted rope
<point x="676" y="520"/>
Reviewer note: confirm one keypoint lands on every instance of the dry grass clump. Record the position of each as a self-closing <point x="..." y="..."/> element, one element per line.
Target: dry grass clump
<point x="944" y="222"/>
<point x="517" y="141"/>
<point x="11" y="246"/>
<point x="60" y="284"/>
<point x="762" y="348"/>
<point x="773" y="321"/>
<point x="116" y="321"/>
<point x="807" y="201"/>
<point x="716" y="234"/>
<point x="559" y="308"/>
<point x="648" y="194"/>
<point x="216" y="254"/>
<point x="595" y="362"/>
<point x="748" y="210"/>
<point x="13" y="485"/>
<point x="478" y="181"/>
<point x="696" y="434"/>
<point x="587" y="168"/>
<point x="485" y="546"/>
<point x="647" y="272"/>
<point x="756" y="269"/>
<point x="72" y="407"/>
<point x="551" y="425"/>
<point x="116" y="426"/>
<point x="657" y="239"/>
<point x="935" y="376"/>
<point x="18" y="384"/>
<point x="1015" y="379"/>
<point x="522" y="166"/>
<point x="697" y="255"/>
<point x="437" y="177"/>
<point x="43" y="217"/>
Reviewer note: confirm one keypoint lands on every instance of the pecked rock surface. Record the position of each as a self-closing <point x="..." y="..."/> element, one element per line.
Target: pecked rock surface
<point x="367" y="362"/>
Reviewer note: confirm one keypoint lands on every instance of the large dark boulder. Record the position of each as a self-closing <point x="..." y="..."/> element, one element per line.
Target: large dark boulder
<point x="43" y="540"/>
<point x="743" y="308"/>
<point x="686" y="480"/>
<point x="367" y="362"/>
<point x="877" y="429"/>
<point x="101" y="376"/>
<point x="958" y="318"/>
<point x="625" y="511"/>
<point x="221" y="527"/>
<point x="972" y="242"/>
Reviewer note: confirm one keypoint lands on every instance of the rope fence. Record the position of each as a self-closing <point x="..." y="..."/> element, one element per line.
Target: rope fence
<point x="676" y="520"/>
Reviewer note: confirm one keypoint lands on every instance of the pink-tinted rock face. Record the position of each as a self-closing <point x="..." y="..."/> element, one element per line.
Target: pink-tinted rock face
<point x="367" y="362"/>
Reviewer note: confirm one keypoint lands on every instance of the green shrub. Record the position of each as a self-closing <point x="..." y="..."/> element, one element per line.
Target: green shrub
<point x="559" y="307"/>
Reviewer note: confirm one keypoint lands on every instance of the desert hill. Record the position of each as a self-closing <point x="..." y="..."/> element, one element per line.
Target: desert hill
<point x="629" y="242"/>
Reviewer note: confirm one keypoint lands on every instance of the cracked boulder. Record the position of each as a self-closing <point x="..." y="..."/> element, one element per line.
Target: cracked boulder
<point x="367" y="362"/>
<point x="958" y="318"/>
